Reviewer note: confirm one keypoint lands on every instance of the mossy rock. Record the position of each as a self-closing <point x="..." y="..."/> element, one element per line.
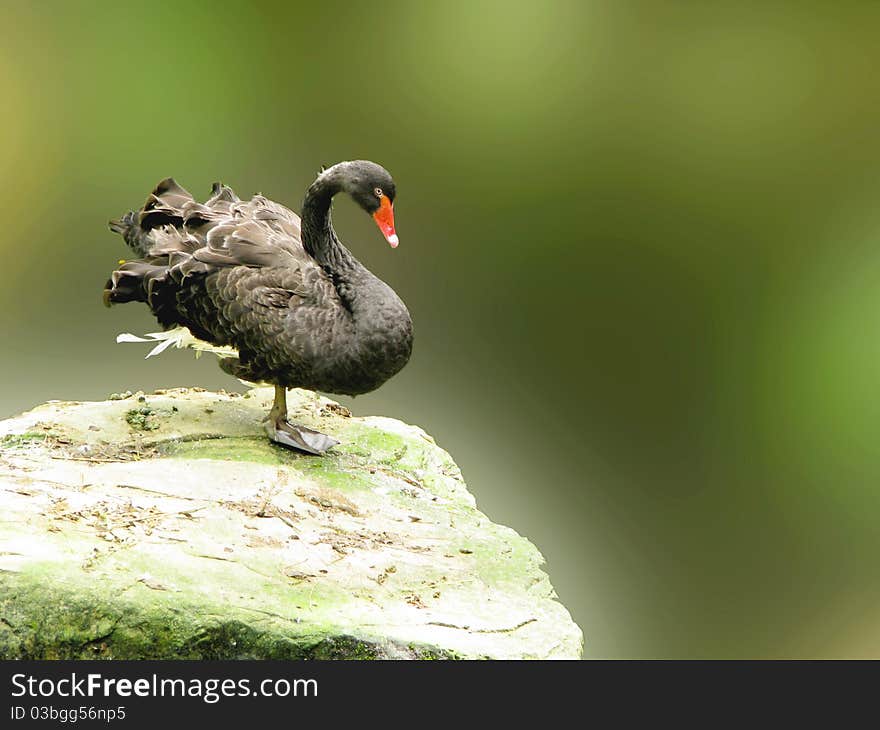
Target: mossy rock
<point x="166" y="526"/>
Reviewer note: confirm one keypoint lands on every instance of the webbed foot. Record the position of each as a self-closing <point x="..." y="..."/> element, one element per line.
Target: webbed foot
<point x="281" y="431"/>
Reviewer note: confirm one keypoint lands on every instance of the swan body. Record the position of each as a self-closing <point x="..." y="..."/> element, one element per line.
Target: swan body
<point x="278" y="297"/>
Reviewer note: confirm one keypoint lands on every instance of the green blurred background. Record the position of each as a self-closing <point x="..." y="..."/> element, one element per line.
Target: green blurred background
<point x="639" y="242"/>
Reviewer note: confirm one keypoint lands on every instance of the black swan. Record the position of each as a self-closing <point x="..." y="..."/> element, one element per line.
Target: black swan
<point x="282" y="296"/>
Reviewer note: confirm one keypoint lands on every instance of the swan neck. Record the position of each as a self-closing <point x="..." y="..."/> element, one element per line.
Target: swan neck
<point x="318" y="235"/>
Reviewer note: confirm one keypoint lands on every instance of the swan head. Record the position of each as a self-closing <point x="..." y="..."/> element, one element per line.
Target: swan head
<point x="373" y="189"/>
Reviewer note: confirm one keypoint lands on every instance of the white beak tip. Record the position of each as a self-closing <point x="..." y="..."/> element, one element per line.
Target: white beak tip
<point x="393" y="240"/>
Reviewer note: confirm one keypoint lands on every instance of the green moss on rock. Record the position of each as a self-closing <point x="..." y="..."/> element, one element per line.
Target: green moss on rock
<point x="175" y="529"/>
<point x="19" y="440"/>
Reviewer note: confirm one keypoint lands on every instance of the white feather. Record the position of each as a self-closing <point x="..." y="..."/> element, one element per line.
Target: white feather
<point x="181" y="338"/>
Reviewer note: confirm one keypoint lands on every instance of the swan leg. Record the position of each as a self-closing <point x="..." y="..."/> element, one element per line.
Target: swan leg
<point x="283" y="432"/>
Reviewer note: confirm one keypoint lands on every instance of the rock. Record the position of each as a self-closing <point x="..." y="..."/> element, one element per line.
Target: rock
<point x="167" y="526"/>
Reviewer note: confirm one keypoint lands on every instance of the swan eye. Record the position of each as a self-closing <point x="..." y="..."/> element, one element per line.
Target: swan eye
<point x="378" y="192"/>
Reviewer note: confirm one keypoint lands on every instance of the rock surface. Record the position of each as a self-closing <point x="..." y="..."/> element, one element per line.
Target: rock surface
<point x="168" y="526"/>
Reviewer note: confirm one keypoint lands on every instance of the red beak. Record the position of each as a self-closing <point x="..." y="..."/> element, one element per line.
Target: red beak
<point x="384" y="218"/>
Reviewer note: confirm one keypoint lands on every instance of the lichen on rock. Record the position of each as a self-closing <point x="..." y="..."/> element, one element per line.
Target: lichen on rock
<point x="167" y="526"/>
